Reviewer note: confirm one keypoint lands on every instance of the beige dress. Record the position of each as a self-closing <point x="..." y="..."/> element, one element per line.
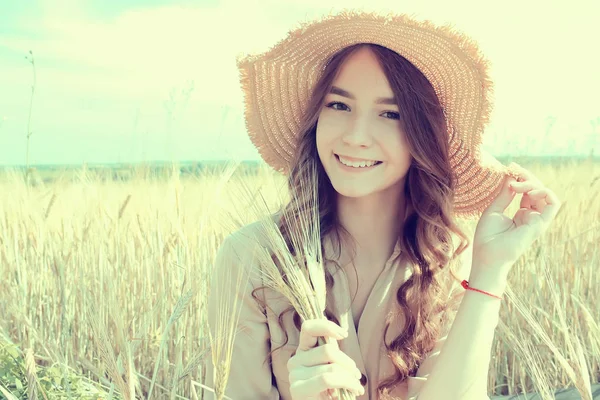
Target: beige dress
<point x="259" y="331"/>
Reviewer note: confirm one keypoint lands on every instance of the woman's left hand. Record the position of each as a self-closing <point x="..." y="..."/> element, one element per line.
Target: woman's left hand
<point x="499" y="241"/>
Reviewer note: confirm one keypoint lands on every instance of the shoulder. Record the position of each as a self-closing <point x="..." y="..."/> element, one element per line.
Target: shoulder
<point x="240" y="252"/>
<point x="243" y="242"/>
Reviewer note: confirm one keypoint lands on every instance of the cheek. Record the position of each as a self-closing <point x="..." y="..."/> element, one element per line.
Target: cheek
<point x="322" y="127"/>
<point x="397" y="149"/>
<point x="324" y="135"/>
<point x="402" y="143"/>
<point x="328" y="125"/>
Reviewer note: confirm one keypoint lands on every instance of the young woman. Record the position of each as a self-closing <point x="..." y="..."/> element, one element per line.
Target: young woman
<point x="390" y="111"/>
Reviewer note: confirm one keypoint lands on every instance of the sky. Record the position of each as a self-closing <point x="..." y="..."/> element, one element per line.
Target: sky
<point x="144" y="80"/>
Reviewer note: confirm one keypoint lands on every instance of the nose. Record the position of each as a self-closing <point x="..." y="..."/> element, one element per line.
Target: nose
<point x="358" y="135"/>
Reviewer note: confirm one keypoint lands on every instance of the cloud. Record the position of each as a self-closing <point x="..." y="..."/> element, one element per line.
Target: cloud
<point x="148" y="49"/>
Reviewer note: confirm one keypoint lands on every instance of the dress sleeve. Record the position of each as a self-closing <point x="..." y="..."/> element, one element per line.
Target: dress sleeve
<point x="250" y="377"/>
<point x="456" y="295"/>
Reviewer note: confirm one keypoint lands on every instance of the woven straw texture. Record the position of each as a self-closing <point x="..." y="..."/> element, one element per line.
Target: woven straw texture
<point x="277" y="85"/>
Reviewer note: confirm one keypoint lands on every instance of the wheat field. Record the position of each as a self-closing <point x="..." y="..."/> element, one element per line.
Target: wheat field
<point x="104" y="282"/>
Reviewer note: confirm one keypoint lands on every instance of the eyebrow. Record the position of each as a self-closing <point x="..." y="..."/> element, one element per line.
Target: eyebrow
<point x="345" y="93"/>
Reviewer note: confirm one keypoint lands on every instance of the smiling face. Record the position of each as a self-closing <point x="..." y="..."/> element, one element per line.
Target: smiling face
<point x="360" y="122"/>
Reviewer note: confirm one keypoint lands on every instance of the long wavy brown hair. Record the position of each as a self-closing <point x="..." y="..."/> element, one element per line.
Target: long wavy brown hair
<point x="427" y="233"/>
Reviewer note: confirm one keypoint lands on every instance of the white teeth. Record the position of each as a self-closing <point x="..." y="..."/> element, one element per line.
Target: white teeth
<point x="359" y="164"/>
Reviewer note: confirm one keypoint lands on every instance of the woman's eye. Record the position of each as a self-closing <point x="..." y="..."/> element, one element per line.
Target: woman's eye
<point x="336" y="105"/>
<point x="331" y="105"/>
<point x="395" y="114"/>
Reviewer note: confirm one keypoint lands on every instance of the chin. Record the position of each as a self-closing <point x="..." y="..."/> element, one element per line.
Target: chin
<point x="351" y="191"/>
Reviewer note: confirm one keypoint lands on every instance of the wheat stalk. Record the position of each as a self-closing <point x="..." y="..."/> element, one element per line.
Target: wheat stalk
<point x="125" y="358"/>
<point x="195" y="383"/>
<point x="306" y="289"/>
<point x="192" y="364"/>
<point x="221" y="345"/>
<point x="106" y="353"/>
<point x="50" y="204"/>
<point x="225" y="329"/>
<point x="180" y="307"/>
<point x="31" y="375"/>
<point x="122" y="209"/>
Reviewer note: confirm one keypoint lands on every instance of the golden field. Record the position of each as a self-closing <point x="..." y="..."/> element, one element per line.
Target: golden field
<point x="107" y="280"/>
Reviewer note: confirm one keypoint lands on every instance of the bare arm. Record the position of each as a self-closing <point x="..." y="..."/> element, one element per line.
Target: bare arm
<point x="462" y="366"/>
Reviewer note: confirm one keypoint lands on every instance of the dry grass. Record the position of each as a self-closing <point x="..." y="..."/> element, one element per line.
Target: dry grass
<point x="303" y="287"/>
<point x="109" y="278"/>
<point x="31" y="375"/>
<point x="221" y="344"/>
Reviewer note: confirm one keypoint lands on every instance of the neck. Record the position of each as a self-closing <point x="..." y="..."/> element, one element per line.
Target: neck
<point x="375" y="222"/>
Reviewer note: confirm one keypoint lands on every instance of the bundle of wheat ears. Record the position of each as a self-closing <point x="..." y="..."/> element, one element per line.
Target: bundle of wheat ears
<point x="304" y="284"/>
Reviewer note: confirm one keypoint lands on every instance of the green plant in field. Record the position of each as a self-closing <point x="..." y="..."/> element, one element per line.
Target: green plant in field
<point x="20" y="378"/>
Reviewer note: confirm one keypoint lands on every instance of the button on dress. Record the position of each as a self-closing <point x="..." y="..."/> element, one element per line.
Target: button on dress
<point x="259" y="331"/>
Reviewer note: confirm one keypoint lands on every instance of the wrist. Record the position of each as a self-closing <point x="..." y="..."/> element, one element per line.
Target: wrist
<point x="494" y="283"/>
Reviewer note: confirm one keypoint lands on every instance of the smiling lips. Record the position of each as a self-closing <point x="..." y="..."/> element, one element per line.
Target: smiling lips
<point x="359" y="164"/>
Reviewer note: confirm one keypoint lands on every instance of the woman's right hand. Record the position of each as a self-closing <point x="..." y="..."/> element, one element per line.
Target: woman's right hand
<point x="315" y="371"/>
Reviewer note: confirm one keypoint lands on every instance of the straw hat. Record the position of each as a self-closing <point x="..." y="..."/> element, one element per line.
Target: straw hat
<point x="277" y="85"/>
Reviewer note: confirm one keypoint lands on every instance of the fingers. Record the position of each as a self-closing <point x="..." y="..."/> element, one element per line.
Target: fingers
<point x="336" y="378"/>
<point x="353" y="373"/>
<point x="525" y="174"/>
<point x="313" y="370"/>
<point x="552" y="203"/>
<point x="525" y="186"/>
<point x="504" y="198"/>
<point x="538" y="198"/>
<point x="327" y="353"/>
<point x="532" y="224"/>
<point x="312" y="329"/>
<point x="539" y="205"/>
<point x="323" y="377"/>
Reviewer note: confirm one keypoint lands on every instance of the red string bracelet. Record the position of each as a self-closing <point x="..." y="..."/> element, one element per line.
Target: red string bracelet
<point x="465" y="284"/>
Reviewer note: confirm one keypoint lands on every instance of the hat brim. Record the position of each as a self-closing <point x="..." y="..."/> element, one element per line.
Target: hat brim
<point x="277" y="86"/>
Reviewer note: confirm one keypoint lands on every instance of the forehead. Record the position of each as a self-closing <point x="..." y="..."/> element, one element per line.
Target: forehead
<point x="362" y="60"/>
<point x="361" y="72"/>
